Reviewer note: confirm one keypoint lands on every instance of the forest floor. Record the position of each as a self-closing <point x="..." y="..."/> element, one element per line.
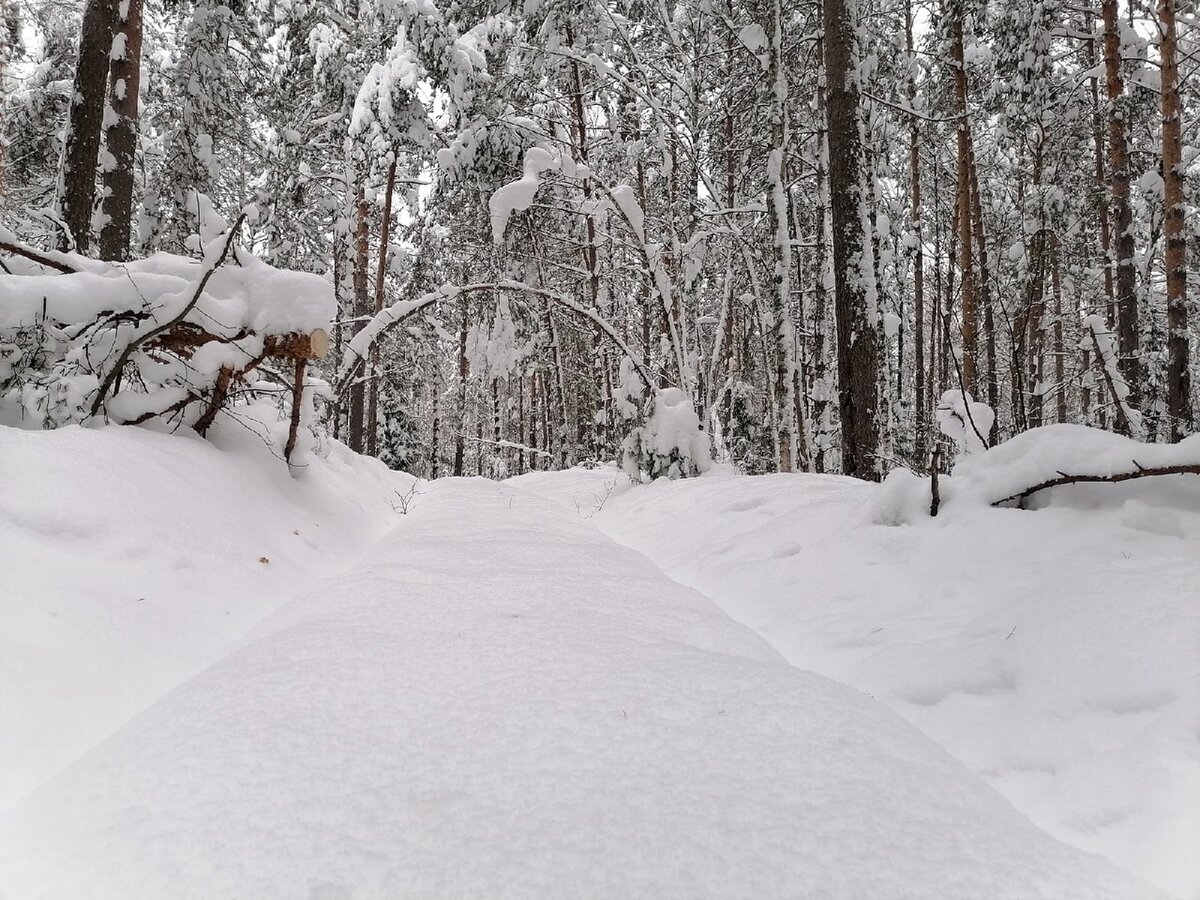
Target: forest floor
<point x="217" y="680"/>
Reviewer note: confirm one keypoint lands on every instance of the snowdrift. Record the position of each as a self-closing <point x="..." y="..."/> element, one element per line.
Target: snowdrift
<point x="129" y="560"/>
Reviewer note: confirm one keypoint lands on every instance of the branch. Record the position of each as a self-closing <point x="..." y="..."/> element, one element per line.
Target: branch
<point x="129" y="350"/>
<point x="393" y="315"/>
<point x="40" y="259"/>
<point x="1123" y="422"/>
<point x="1139" y="472"/>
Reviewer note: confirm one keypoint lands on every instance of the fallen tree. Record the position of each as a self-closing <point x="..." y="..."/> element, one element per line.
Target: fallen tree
<point x="169" y="336"/>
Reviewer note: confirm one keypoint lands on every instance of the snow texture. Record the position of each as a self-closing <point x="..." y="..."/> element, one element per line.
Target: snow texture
<point x="495" y="700"/>
<point x="1053" y="651"/>
<point x="243" y="294"/>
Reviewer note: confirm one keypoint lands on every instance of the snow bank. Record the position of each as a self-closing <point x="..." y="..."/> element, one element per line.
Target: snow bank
<point x="131" y="559"/>
<point x="1053" y="652"/>
<point x="457" y="717"/>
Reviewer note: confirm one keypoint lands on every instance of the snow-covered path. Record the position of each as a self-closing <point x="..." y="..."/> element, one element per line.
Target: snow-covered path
<point x="500" y="701"/>
<point x="1056" y="653"/>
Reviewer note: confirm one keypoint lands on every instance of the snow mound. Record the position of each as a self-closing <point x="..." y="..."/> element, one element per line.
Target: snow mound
<point x="1046" y="453"/>
<point x="499" y="701"/>
<point x="130" y="560"/>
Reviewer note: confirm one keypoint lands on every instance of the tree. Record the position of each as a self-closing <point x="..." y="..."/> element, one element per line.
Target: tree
<point x="120" y="134"/>
<point x="77" y="189"/>
<point x="1179" y="404"/>
<point x="854" y="293"/>
<point x="1122" y="217"/>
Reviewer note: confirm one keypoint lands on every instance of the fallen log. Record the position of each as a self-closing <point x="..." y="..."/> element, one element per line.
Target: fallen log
<point x="185" y="339"/>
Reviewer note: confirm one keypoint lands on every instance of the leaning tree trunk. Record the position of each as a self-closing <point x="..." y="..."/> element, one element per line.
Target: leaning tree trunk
<point x="77" y="189"/>
<point x="854" y="293"/>
<point x="120" y="136"/>
<point x="354" y="431"/>
<point x="1179" y="405"/>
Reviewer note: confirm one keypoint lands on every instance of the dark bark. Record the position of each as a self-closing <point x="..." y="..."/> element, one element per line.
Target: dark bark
<point x="1179" y="403"/>
<point x="966" y="265"/>
<point x="120" y="137"/>
<point x="858" y="356"/>
<point x="78" y="190"/>
<point x="380" y="273"/>
<point x="1128" y="348"/>
<point x="354" y="432"/>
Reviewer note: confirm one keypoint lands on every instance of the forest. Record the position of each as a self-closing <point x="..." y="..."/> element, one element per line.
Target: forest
<point x="797" y="236"/>
<point x="614" y="449"/>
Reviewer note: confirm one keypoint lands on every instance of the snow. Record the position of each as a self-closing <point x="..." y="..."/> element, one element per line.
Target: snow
<point x="671" y="441"/>
<point x="964" y="420"/>
<point x="245" y="293"/>
<point x="626" y="201"/>
<point x="1053" y="651"/>
<point x="518" y="195"/>
<point x="131" y="559"/>
<point x="1049" y="452"/>
<point x="220" y="680"/>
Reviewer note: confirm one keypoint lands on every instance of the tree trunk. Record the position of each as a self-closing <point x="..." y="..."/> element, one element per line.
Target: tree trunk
<point x="435" y="429"/>
<point x="820" y="388"/>
<point x="120" y="136"/>
<point x="385" y="228"/>
<point x="1128" y="349"/>
<point x="970" y="306"/>
<point x="77" y="189"/>
<point x="1060" y="387"/>
<point x="782" y="334"/>
<point x="1101" y="182"/>
<point x="1179" y="404"/>
<point x="533" y="423"/>
<point x="354" y="431"/>
<point x="463" y="370"/>
<point x="914" y="169"/>
<point x="854" y="300"/>
<point x="985" y="289"/>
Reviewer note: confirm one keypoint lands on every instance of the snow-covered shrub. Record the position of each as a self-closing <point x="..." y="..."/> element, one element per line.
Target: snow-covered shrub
<point x="669" y="442"/>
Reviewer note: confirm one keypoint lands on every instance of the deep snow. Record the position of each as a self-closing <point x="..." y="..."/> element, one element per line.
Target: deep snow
<point x="486" y="696"/>
<point x="1055" y="652"/>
